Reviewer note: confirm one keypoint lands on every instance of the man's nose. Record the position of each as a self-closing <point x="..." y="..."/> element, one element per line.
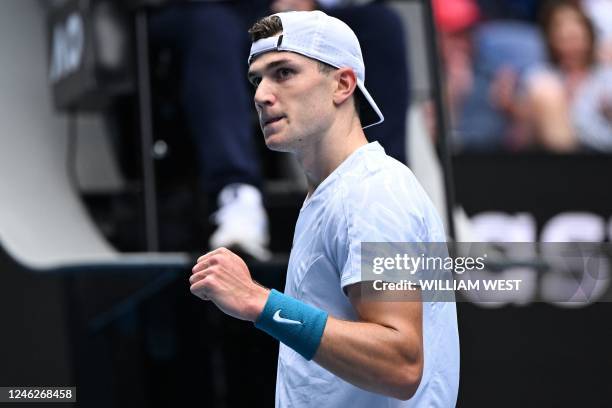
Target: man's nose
<point x="264" y="94"/>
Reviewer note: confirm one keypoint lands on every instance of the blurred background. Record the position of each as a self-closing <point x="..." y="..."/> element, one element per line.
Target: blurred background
<point x="129" y="147"/>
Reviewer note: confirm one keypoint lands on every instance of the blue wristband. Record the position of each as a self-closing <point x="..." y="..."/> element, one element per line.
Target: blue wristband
<point x="296" y="324"/>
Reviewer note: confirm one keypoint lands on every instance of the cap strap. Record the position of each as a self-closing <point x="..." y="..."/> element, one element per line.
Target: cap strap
<point x="264" y="45"/>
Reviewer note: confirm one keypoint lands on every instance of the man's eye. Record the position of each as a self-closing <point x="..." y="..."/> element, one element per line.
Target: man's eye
<point x="284" y="73"/>
<point x="255" y="82"/>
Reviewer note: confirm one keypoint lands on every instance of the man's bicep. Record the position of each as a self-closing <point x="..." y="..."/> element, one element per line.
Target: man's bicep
<point x="405" y="315"/>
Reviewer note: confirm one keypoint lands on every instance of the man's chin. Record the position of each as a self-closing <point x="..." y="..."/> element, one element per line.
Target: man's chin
<point x="277" y="144"/>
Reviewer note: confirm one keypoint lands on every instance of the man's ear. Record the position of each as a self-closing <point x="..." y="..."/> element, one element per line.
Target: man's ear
<point x="346" y="82"/>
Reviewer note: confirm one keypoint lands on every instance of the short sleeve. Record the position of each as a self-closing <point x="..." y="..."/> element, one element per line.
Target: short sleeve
<point x="384" y="210"/>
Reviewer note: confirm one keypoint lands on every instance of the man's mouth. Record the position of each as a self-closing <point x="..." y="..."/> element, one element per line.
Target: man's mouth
<point x="272" y="120"/>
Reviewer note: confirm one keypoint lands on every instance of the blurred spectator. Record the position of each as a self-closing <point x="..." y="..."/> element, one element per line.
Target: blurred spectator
<point x="455" y="20"/>
<point x="505" y="52"/>
<point x="484" y="64"/>
<point x="600" y="12"/>
<point x="570" y="100"/>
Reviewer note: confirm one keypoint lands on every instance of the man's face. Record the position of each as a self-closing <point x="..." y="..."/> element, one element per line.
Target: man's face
<point x="294" y="100"/>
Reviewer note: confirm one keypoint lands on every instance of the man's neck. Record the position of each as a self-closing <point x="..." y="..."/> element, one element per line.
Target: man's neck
<point x="323" y="157"/>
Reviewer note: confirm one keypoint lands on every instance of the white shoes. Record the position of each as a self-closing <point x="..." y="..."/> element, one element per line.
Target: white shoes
<point x="242" y="221"/>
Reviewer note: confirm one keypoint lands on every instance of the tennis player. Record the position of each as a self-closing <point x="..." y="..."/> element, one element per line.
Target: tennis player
<point x="338" y="348"/>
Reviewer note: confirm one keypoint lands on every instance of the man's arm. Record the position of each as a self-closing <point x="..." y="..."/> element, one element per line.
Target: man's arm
<point x="382" y="353"/>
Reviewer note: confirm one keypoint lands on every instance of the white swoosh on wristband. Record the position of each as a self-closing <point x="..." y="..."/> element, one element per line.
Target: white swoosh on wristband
<point x="277" y="318"/>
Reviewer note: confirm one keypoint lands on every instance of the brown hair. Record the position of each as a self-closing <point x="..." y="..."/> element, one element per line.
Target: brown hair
<point x="266" y="27"/>
<point x="549" y="10"/>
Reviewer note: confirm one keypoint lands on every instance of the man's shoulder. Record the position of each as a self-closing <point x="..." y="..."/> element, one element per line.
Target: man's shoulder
<point x="386" y="192"/>
<point x="380" y="174"/>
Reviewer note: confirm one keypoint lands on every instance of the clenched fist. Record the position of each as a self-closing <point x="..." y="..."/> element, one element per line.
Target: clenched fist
<point x="222" y="277"/>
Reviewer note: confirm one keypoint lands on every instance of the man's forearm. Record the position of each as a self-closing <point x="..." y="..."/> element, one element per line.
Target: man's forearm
<point x="371" y="356"/>
<point x="382" y="353"/>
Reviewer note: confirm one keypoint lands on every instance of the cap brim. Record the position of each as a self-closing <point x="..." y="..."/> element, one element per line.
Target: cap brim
<point x="369" y="113"/>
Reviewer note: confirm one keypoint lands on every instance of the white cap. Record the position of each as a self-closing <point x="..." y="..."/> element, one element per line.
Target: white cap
<point x="316" y="35"/>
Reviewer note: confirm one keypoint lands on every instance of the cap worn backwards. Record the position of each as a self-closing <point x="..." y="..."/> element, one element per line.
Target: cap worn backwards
<point x="316" y="35"/>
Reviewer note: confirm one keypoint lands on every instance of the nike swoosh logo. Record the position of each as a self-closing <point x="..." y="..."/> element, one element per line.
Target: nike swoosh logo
<point x="277" y="318"/>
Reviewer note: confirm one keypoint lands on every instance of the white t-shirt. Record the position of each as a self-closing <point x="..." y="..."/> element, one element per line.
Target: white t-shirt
<point x="369" y="197"/>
